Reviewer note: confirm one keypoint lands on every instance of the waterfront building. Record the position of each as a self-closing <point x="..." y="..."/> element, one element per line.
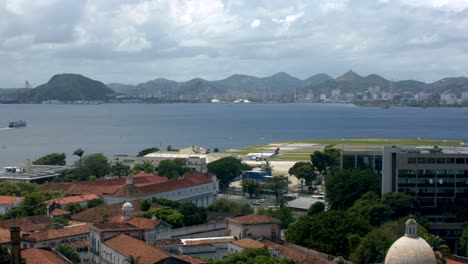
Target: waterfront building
<point x="197" y="158"/>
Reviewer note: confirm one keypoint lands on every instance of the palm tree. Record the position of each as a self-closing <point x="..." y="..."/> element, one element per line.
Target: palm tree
<point x="441" y="250"/>
<point x="133" y="260"/>
<point x="78" y="152"/>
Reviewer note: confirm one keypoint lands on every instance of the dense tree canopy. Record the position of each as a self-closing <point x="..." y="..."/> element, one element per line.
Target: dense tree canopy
<point x="173" y="169"/>
<point x="224" y="205"/>
<point x="69" y="252"/>
<point x="192" y="214"/>
<point x="276" y="184"/>
<point x="344" y="187"/>
<point x="170" y="216"/>
<point x="305" y="171"/>
<point x="51" y="159"/>
<point x="94" y="165"/>
<point x="227" y="169"/>
<point x="328" y="232"/>
<point x="316" y="208"/>
<point x="252" y="187"/>
<point x="252" y="256"/>
<point x="119" y="169"/>
<point x="145" y="166"/>
<point x="328" y="158"/>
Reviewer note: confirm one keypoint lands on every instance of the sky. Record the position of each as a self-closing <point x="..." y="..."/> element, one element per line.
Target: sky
<point x="136" y="41"/>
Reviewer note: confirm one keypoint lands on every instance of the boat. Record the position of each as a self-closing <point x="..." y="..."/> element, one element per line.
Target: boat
<point x="19" y="123"/>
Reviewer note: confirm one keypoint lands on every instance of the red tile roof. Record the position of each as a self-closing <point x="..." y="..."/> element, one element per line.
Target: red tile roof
<point x="104" y="212"/>
<point x="189" y="259"/>
<point x="248" y="243"/>
<point x="115" y="226"/>
<point x="32" y="223"/>
<point x="59" y="212"/>
<point x="254" y="219"/>
<point x="8" y="200"/>
<point x="296" y="255"/>
<point x="41" y="256"/>
<point x="143" y="185"/>
<point x="144" y="223"/>
<point x="75" y="199"/>
<point x="127" y="245"/>
<point x="58" y="233"/>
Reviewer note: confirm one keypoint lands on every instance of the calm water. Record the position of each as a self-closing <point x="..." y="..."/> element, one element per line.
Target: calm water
<point x="128" y="128"/>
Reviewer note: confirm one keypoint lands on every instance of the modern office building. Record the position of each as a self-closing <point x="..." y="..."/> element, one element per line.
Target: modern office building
<point x="362" y="159"/>
<point x="438" y="177"/>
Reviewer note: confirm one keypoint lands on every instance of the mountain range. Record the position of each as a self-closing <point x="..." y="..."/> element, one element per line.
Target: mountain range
<point x="278" y="87"/>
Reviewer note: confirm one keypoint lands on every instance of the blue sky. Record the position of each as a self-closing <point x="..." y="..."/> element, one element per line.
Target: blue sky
<point x="135" y="41"/>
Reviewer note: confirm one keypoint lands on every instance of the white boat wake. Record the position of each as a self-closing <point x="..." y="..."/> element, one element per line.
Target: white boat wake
<point x="6" y="128"/>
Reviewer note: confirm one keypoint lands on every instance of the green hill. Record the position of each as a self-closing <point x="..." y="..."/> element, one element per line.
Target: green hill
<point x="70" y="87"/>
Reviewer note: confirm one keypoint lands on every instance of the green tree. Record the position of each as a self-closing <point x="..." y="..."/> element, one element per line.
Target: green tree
<point x="172" y="169"/>
<point x="119" y="169"/>
<point x="277" y="184"/>
<point x="251" y="187"/>
<point x="8" y="188"/>
<point x="73" y="208"/>
<point x="133" y="260"/>
<point x="316" y="208"/>
<point x="330" y="231"/>
<point x="252" y="256"/>
<point x="94" y="165"/>
<point x="170" y="216"/>
<point x="146" y="167"/>
<point x="33" y="204"/>
<point x="298" y="231"/>
<point x="305" y="171"/>
<point x="282" y="212"/>
<point x="226" y="170"/>
<point x="51" y="159"/>
<point x="69" y="252"/>
<point x="145" y="205"/>
<point x="215" y="150"/>
<point x="373" y="247"/>
<point x="95" y="203"/>
<point x="193" y="215"/>
<point x="402" y="204"/>
<point x="224" y="205"/>
<point x="78" y="152"/>
<point x="147" y="151"/>
<point x="344" y="187"/>
<point x="464" y="242"/>
<point x="4" y="255"/>
<point x="328" y="158"/>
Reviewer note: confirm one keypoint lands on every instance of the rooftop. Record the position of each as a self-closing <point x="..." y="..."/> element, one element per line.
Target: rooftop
<point x="57" y="233"/>
<point x="144" y="223"/>
<point x="254" y="219"/>
<point x="75" y="199"/>
<point x="9" y="200"/>
<point x="41" y="256"/>
<point x="248" y="243"/>
<point x="59" y="212"/>
<point x="296" y="255"/>
<point x="104" y="212"/>
<point x="127" y="245"/>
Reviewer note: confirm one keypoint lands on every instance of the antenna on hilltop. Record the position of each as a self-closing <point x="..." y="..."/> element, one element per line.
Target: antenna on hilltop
<point x="27" y="85"/>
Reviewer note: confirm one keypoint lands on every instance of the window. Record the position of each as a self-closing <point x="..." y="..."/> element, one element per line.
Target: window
<point x="431" y="160"/>
<point x="411" y="160"/>
<point x="460" y="161"/>
<point x="440" y="160"/>
<point x="450" y="160"/>
<point x="421" y="160"/>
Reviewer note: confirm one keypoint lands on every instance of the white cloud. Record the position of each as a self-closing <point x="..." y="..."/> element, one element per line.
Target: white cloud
<point x="183" y="39"/>
<point x="255" y="23"/>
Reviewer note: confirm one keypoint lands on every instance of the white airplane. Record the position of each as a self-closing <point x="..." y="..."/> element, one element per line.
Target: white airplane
<point x="262" y="155"/>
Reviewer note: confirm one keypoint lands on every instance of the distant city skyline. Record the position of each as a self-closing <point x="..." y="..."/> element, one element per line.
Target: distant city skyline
<point x="136" y="41"/>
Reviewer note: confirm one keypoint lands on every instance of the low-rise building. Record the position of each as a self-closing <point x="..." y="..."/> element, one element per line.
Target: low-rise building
<point x="54" y="237"/>
<point x="9" y="202"/>
<point x="254" y="226"/>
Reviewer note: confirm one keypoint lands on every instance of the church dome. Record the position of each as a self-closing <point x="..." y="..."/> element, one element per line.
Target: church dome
<point x="410" y="249"/>
<point x="127" y="206"/>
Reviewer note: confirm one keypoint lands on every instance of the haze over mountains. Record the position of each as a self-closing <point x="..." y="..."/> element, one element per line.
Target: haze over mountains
<point x="278" y="87"/>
